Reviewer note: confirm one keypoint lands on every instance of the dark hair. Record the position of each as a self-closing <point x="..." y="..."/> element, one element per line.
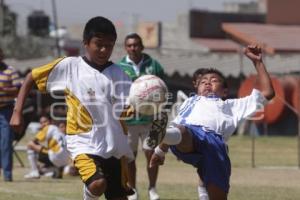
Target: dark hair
<point x="197" y="73"/>
<point x="215" y="71"/>
<point x="134" y="36"/>
<point x="99" y="25"/>
<point x="46" y="115"/>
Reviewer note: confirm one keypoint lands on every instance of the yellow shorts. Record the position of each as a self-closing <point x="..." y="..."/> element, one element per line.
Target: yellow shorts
<point x="92" y="167"/>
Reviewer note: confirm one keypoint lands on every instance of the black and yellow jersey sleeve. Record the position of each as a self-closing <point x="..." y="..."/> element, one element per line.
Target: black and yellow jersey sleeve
<point x="42" y="134"/>
<point x="40" y="75"/>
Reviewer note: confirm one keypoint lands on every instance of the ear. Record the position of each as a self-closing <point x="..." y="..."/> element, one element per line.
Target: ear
<point x="196" y="84"/>
<point x="85" y="43"/>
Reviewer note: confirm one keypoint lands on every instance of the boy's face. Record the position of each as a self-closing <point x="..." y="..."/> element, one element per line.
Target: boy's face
<point x="62" y="127"/>
<point x="197" y="81"/>
<point x="44" y="121"/>
<point x="211" y="84"/>
<point x="99" y="49"/>
<point x="134" y="48"/>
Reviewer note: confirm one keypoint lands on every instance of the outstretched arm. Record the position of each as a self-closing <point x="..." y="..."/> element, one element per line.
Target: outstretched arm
<point x="254" y="53"/>
<point x="16" y="119"/>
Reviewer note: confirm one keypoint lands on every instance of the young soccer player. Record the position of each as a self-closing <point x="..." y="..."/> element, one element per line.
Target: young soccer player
<point x="205" y="122"/>
<point x="94" y="90"/>
<point x="202" y="192"/>
<point x="52" y="154"/>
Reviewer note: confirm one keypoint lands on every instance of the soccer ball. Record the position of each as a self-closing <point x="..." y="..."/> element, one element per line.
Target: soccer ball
<point x="148" y="94"/>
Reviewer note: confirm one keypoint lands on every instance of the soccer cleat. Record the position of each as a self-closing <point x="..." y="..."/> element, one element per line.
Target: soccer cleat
<point x="135" y="196"/>
<point x="32" y="175"/>
<point x="157" y="131"/>
<point x="153" y="194"/>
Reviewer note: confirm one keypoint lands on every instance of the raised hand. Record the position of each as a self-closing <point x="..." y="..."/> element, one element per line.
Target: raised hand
<point x="253" y="52"/>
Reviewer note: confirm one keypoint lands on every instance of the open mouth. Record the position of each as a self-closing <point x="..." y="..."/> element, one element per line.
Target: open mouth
<point x="207" y="89"/>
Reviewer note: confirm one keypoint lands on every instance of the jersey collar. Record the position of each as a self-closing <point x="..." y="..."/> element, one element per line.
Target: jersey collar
<point x="99" y="68"/>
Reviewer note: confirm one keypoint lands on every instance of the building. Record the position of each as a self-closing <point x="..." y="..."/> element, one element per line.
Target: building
<point x="8" y="20"/>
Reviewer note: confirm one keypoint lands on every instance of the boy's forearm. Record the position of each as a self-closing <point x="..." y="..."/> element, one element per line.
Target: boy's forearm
<point x="23" y="93"/>
<point x="264" y="79"/>
<point x="164" y="147"/>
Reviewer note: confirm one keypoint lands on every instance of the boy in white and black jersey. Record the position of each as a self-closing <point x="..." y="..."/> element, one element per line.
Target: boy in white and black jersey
<point x="95" y="91"/>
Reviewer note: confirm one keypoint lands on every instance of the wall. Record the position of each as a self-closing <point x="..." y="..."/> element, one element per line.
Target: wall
<point x="283" y="12"/>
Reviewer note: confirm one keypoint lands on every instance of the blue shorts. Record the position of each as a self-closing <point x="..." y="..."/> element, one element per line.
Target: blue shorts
<point x="210" y="157"/>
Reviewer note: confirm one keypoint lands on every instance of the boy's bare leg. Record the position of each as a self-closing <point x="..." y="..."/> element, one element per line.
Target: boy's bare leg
<point x="95" y="189"/>
<point x="215" y="193"/>
<point x="153" y="171"/>
<point x="186" y="143"/>
<point x="132" y="173"/>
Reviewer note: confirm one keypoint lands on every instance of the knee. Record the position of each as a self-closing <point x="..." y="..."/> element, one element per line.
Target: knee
<point x="186" y="142"/>
<point x="29" y="146"/>
<point x="173" y="136"/>
<point x="98" y="187"/>
<point x="183" y="130"/>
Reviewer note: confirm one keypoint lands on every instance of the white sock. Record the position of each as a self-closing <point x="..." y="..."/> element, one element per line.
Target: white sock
<point x="173" y="136"/>
<point x="87" y="195"/>
<point x="202" y="192"/>
<point x="32" y="158"/>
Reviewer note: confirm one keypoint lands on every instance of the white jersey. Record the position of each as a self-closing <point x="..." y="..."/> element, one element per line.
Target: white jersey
<point x="95" y="101"/>
<point x="217" y="115"/>
<point x="55" y="144"/>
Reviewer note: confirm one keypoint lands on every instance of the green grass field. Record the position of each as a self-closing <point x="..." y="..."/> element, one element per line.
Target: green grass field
<point x="276" y="176"/>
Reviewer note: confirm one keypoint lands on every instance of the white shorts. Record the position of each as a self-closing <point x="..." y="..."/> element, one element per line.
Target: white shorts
<point x="136" y="132"/>
<point x="59" y="159"/>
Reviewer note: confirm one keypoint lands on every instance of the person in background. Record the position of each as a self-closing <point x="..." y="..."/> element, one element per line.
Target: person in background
<point x="10" y="83"/>
<point x="135" y="64"/>
<point x="53" y="154"/>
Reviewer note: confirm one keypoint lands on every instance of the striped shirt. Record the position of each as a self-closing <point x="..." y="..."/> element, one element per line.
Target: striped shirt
<point x="9" y="77"/>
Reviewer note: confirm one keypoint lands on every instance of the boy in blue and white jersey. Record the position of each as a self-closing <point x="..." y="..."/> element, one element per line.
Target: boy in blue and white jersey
<point x="205" y="122"/>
